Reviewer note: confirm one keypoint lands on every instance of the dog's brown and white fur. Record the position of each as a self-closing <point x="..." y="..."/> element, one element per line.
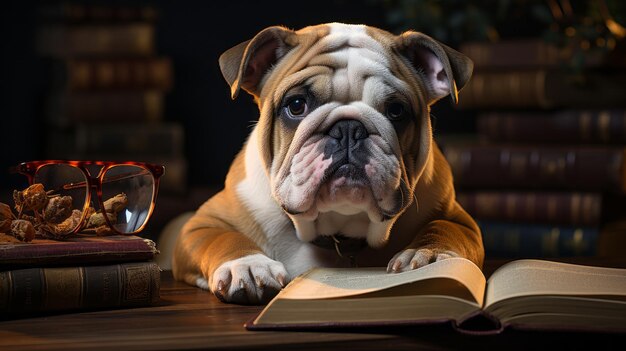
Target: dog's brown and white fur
<point x="343" y="145"/>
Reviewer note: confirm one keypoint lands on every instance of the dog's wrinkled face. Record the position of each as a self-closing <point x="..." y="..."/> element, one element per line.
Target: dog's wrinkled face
<point x="344" y="129"/>
<point x="341" y="115"/>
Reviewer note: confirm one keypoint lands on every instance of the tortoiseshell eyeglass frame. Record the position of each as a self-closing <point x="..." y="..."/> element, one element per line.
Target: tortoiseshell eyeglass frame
<point x="30" y="169"/>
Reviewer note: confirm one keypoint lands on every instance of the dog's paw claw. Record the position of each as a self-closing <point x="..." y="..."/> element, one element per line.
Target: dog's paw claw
<point x="281" y="280"/>
<point x="410" y="259"/>
<point x="253" y="279"/>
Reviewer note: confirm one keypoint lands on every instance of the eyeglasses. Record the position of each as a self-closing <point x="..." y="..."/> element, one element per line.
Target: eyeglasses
<point x="126" y="192"/>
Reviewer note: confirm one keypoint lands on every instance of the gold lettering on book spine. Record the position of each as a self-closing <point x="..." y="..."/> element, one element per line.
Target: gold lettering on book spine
<point x="138" y="283"/>
<point x="585" y="125"/>
<point x="591" y="207"/>
<point x="604" y="126"/>
<point x="550" y="243"/>
<point x="79" y="74"/>
<point x="153" y="105"/>
<point x="517" y="162"/>
<point x="104" y="74"/>
<point x="63" y="288"/>
<point x="510" y="205"/>
<point x="575" y="208"/>
<point x="552" y="207"/>
<point x="530" y="202"/>
<point x="515" y="88"/>
<point x="486" y="205"/>
<point x="541" y="90"/>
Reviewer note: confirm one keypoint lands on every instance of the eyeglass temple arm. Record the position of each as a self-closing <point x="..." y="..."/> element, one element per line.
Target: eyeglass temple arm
<point x="107" y="180"/>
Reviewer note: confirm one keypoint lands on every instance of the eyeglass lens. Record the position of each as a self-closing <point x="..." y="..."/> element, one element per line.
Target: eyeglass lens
<point x="65" y="203"/>
<point x="127" y="195"/>
<point x="129" y="190"/>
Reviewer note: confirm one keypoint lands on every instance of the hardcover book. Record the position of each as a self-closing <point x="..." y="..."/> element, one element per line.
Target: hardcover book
<point x="523" y="294"/>
<point x="566" y="208"/>
<point x="81" y="250"/>
<point x="132" y="140"/>
<point x="581" y="168"/>
<point x="565" y="126"/>
<point x="78" y="13"/>
<point x="64" y="289"/>
<point x="543" y="88"/>
<point x="516" y="240"/>
<point x="69" y="108"/>
<point x="112" y="73"/>
<point x="125" y="39"/>
<point x="513" y="53"/>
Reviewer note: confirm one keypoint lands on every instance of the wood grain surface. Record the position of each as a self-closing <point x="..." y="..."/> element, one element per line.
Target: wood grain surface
<point x="190" y="318"/>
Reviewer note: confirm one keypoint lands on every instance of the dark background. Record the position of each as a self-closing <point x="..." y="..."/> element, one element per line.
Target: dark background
<point x="194" y="33"/>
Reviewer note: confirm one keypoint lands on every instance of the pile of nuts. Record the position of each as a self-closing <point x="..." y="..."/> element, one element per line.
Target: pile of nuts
<point x="44" y="215"/>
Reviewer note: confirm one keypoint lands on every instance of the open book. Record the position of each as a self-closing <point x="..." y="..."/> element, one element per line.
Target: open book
<point x="525" y="294"/>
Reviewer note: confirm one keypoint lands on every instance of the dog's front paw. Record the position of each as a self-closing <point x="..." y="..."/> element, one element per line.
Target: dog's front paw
<point x="409" y="259"/>
<point x="252" y="279"/>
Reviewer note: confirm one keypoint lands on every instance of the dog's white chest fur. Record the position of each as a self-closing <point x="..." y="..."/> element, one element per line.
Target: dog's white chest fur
<point x="282" y="242"/>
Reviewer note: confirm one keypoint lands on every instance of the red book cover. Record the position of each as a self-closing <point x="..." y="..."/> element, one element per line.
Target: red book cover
<point x="81" y="250"/>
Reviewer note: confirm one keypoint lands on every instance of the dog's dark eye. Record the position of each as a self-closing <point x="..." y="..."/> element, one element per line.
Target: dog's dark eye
<point x="395" y="111"/>
<point x="296" y="107"/>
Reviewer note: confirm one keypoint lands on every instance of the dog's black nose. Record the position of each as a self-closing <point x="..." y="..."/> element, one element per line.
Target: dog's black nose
<point x="348" y="132"/>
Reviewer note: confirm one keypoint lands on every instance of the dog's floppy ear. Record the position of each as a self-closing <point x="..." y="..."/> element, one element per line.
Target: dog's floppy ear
<point x="244" y="65"/>
<point x="446" y="70"/>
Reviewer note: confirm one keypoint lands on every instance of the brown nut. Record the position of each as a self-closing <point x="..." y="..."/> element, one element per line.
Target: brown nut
<point x="65" y="228"/>
<point x="58" y="209"/>
<point x="116" y="203"/>
<point x="23" y="230"/>
<point x="97" y="219"/>
<point x="6" y="216"/>
<point x="34" y="198"/>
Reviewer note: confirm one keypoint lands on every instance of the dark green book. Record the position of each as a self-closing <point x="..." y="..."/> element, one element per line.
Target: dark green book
<point x="66" y="289"/>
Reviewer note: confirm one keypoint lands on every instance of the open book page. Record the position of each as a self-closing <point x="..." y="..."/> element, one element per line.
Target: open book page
<point x="536" y="277"/>
<point x="333" y="283"/>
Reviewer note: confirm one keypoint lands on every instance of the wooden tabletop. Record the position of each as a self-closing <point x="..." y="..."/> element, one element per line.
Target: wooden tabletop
<point x="190" y="318"/>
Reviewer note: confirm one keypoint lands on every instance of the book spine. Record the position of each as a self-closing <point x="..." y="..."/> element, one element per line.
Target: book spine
<point x="34" y="290"/>
<point x="575" y="209"/>
<point x="499" y="166"/>
<point x="508" y="89"/>
<point x="62" y="41"/>
<point x="77" y="252"/>
<point x="89" y="13"/>
<point x="113" y="73"/>
<point x="570" y="126"/>
<point x="66" y="145"/>
<point x="543" y="89"/>
<point x="162" y="140"/>
<point x="512" y="53"/>
<point x="508" y="240"/>
<point x="68" y="108"/>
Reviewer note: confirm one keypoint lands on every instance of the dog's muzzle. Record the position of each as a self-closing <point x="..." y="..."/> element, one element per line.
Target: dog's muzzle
<point x="346" y="148"/>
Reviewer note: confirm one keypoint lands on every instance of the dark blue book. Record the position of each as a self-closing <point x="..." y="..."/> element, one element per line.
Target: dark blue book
<point x="524" y="240"/>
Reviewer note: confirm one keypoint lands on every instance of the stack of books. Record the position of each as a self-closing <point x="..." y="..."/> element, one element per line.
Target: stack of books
<point x="80" y="274"/>
<point x="549" y="156"/>
<point x="107" y="88"/>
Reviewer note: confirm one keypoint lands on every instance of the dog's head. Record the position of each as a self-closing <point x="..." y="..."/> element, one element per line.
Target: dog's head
<point x="344" y="130"/>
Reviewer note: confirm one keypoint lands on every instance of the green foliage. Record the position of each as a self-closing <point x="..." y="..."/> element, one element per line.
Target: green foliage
<point x="582" y="28"/>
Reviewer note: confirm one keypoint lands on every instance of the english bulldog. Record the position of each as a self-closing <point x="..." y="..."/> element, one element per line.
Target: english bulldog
<point x="341" y="168"/>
